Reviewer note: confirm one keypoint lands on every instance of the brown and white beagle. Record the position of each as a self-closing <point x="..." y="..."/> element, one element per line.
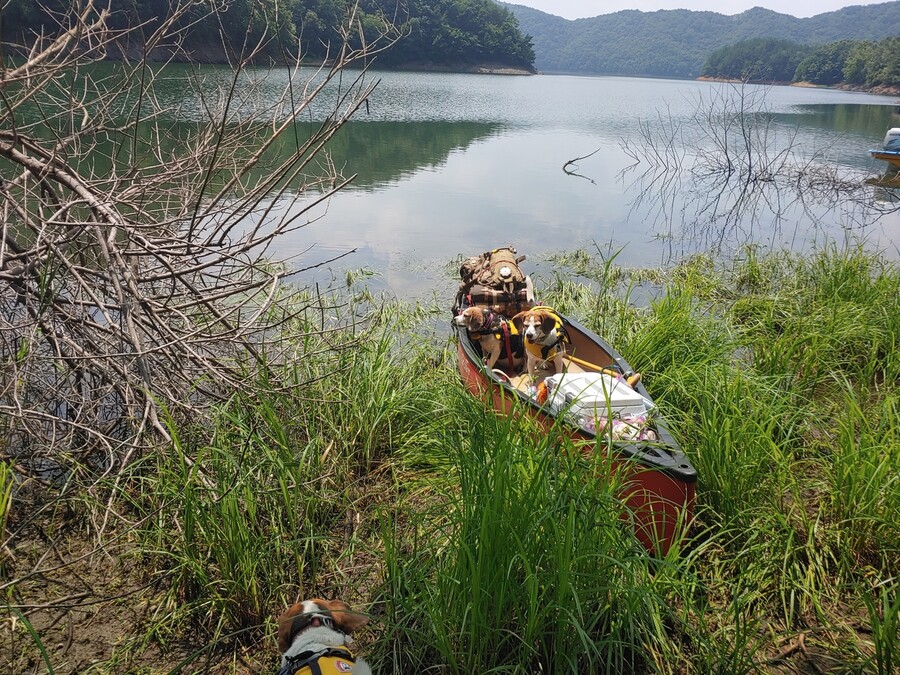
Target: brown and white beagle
<point x="486" y="328"/>
<point x="314" y="638"/>
<point x="545" y="336"/>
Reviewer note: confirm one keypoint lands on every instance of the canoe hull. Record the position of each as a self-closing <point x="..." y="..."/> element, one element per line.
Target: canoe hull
<point x="659" y="483"/>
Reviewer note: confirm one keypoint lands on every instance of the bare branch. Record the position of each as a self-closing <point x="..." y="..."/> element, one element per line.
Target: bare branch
<point x="136" y="276"/>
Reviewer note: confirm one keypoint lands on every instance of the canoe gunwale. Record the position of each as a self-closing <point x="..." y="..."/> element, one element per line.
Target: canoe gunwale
<point x="664" y="455"/>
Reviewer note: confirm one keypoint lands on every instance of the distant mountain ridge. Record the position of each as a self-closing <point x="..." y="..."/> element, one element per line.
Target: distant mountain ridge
<point x="675" y="43"/>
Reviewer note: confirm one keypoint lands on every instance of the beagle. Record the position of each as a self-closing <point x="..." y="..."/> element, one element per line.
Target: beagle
<point x="545" y="336"/>
<point x="314" y="638"/>
<point x="486" y="328"/>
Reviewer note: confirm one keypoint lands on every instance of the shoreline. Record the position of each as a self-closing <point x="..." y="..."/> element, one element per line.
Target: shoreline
<point x="207" y="55"/>
<point x="878" y="90"/>
<point x="474" y="69"/>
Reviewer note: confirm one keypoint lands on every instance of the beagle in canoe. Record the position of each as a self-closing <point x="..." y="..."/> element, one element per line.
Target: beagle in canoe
<point x="544" y="332"/>
<point x="491" y="331"/>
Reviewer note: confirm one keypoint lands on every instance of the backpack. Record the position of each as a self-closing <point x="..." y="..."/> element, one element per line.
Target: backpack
<point x="497" y="269"/>
<point x="495" y="281"/>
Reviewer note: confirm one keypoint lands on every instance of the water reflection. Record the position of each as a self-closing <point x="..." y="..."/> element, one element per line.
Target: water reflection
<point x="842" y="132"/>
<point x="448" y="164"/>
<point x="743" y="174"/>
<point x="384" y="153"/>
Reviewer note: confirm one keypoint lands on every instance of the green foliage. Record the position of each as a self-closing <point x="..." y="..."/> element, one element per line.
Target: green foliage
<point x="486" y="544"/>
<point x="435" y="32"/>
<point x="448" y="33"/>
<point x="7" y="481"/>
<point x="883" y="605"/>
<point x="246" y="511"/>
<point x="780" y="377"/>
<point x="757" y="59"/>
<point x="521" y="565"/>
<point x="883" y="68"/>
<point x="858" y="63"/>
<point x="825" y="65"/>
<point x="676" y="43"/>
<point x="240" y="25"/>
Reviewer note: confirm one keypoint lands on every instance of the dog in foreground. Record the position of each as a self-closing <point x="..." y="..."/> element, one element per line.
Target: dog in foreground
<point x="314" y="638"/>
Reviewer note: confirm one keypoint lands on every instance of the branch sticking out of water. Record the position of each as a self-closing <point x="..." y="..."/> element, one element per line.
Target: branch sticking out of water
<point x="572" y="163"/>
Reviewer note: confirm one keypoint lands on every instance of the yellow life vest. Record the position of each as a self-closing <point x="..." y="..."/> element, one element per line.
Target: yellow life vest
<point x="546" y="352"/>
<point x="334" y="661"/>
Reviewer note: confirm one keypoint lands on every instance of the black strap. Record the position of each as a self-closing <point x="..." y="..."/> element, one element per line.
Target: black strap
<point x="546" y="349"/>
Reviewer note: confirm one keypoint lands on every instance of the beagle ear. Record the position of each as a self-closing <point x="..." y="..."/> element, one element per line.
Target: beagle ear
<point x="519" y="321"/>
<point x="476" y="319"/>
<point x="548" y="323"/>
<point x="286" y="626"/>
<point x="348" y="620"/>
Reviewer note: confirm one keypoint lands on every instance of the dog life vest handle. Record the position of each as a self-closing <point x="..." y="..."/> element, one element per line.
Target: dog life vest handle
<point x="546" y="350"/>
<point x="311" y="660"/>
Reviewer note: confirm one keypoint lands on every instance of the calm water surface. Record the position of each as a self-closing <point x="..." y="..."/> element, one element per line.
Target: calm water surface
<point x="450" y="165"/>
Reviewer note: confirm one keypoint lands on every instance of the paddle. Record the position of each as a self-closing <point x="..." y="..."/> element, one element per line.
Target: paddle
<point x="631" y="379"/>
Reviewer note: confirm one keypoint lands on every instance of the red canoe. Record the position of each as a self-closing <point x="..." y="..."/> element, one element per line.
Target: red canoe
<point x="659" y="483"/>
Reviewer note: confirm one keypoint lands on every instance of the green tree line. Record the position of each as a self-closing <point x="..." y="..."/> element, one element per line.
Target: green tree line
<point x="437" y="33"/>
<point x="863" y="63"/>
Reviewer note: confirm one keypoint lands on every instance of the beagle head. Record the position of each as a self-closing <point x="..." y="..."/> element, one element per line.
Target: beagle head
<point x="316" y="613"/>
<point x="472" y="318"/>
<point x="537" y="326"/>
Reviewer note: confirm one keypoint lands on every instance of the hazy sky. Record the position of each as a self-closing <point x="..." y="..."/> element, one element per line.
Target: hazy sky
<point x="576" y="9"/>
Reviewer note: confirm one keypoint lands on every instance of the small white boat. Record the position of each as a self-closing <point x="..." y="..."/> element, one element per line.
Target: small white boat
<point x="890" y="150"/>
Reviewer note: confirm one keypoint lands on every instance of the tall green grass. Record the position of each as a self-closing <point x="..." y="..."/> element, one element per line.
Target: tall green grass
<point x="864" y="480"/>
<point x="262" y="507"/>
<point x="523" y="565"/>
<point x="883" y="606"/>
<point x="778" y="374"/>
<point x="7" y="479"/>
<point x="834" y="313"/>
<point x="362" y="469"/>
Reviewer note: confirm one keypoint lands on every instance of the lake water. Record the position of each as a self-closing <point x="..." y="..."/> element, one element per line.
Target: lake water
<point x="451" y="164"/>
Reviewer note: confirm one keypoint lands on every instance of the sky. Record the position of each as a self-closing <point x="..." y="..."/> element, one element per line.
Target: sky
<point x="577" y="9"/>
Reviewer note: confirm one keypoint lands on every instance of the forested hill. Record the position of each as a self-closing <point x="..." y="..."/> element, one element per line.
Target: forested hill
<point x="676" y="43"/>
<point x="440" y="34"/>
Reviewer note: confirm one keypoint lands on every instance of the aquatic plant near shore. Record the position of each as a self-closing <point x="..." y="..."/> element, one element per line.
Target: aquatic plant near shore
<point x="521" y="561"/>
<point x="736" y="168"/>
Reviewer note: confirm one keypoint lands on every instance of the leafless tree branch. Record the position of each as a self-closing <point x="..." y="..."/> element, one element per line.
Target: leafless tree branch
<point x="137" y="273"/>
